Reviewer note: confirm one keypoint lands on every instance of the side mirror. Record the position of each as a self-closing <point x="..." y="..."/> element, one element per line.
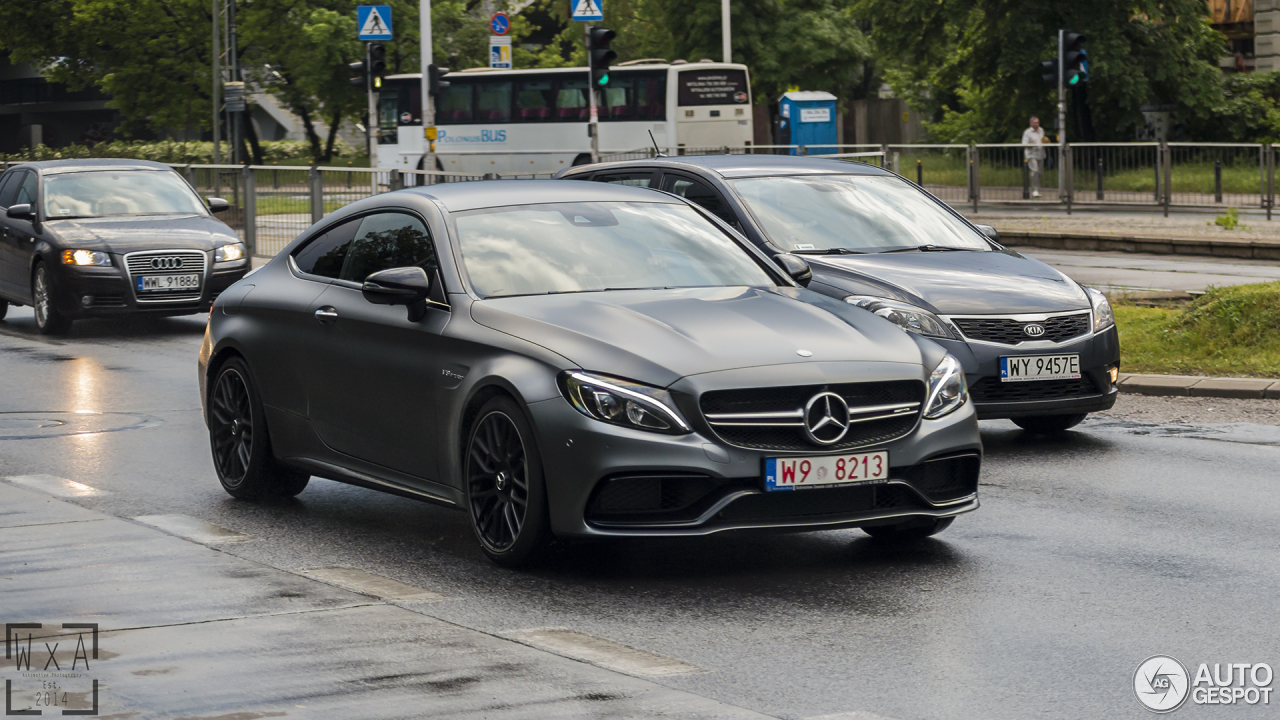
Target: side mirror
<point x="409" y="286"/>
<point x="990" y="232"/>
<point x="22" y="211"/>
<point x="218" y="205"/>
<point x="795" y="266"/>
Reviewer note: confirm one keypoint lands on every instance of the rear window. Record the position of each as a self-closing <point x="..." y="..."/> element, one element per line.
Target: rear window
<point x="712" y="87"/>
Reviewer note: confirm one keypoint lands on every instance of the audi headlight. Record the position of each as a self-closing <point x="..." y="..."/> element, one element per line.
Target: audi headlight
<point x="229" y="253"/>
<point x="85" y="257"/>
<point x="947" y="389"/>
<point x="622" y="402"/>
<point x="908" y="317"/>
<point x="1103" y="317"/>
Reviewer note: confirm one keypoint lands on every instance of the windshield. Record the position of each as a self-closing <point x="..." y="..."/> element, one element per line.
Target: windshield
<point x="857" y="212"/>
<point x="586" y="247"/>
<point x="118" y="192"/>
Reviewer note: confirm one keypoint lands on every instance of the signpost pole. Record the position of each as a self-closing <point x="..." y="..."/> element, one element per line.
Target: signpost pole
<point x="594" y="127"/>
<point x="725" y="31"/>
<point x="217" y="82"/>
<point x="1062" y="119"/>
<point x="428" y="102"/>
<point x="373" y="109"/>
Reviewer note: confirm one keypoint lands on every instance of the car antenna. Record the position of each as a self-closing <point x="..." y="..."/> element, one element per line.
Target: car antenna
<point x="656" y="149"/>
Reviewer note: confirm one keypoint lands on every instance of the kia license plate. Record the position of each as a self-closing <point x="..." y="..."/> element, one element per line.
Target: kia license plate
<point x="792" y="473"/>
<point x="168" y="283"/>
<point x="1039" y="367"/>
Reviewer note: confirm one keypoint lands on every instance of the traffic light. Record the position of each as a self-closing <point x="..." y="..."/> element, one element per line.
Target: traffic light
<point x="435" y="84"/>
<point x="377" y="63"/>
<point x="599" y="55"/>
<point x="1075" y="58"/>
<point x="1049" y="71"/>
<point x="360" y="78"/>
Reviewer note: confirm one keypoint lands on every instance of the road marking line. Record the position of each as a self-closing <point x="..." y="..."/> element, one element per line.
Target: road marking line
<point x="53" y="485"/>
<point x="598" y="651"/>
<point x="852" y="715"/>
<point x="367" y="583"/>
<point x="192" y="529"/>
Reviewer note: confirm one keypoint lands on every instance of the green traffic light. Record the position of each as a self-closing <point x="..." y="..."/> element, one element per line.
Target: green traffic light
<point x="604" y="80"/>
<point x="1074" y="79"/>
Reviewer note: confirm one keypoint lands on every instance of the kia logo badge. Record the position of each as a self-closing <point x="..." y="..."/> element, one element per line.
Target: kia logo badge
<point x="1033" y="329"/>
<point x="166" y="263"/>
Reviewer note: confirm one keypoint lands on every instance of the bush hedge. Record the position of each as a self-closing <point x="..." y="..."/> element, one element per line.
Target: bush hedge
<point x="282" y="152"/>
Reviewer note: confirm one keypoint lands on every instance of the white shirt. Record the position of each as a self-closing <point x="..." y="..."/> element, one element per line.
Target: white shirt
<point x="1032" y="137"/>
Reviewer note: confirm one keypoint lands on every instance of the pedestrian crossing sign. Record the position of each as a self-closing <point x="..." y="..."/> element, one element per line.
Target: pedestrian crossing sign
<point x="373" y="22"/>
<point x="588" y="10"/>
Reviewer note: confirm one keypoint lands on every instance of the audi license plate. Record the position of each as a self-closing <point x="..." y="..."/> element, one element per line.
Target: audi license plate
<point x="166" y="283"/>
<point x="792" y="473"/>
<point x="1039" y="367"/>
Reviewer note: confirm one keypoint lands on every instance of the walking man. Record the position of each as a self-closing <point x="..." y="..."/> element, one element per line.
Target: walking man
<point x="1033" y="140"/>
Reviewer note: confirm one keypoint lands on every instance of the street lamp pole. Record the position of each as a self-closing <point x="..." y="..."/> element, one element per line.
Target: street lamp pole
<point x="725" y="31"/>
<point x="428" y="102"/>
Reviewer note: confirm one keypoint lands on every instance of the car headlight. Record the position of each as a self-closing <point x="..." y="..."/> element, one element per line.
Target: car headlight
<point x="1103" y="317"/>
<point x="622" y="402"/>
<point x="908" y="317"/>
<point x="947" y="388"/>
<point x="229" y="253"/>
<point x="85" y="257"/>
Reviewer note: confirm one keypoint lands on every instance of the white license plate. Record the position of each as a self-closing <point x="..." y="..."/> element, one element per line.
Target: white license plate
<point x="1039" y="367"/>
<point x="800" y="472"/>
<point x="164" y="283"/>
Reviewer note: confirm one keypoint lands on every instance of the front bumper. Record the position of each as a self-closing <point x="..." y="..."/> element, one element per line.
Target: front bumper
<point x="682" y="485"/>
<point x="111" y="293"/>
<point x="1093" y="392"/>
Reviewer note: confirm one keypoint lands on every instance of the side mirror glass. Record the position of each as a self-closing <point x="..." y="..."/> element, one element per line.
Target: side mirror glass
<point x="409" y="286"/>
<point x="218" y="205"/>
<point x="22" y="211"/>
<point x="795" y="266"/>
<point x="989" y="231"/>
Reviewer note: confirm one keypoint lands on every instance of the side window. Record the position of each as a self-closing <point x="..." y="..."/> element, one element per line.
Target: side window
<point x="571" y="101"/>
<point x="493" y="101"/>
<point x="325" y="255"/>
<point x="9" y="187"/>
<point x="533" y="101"/>
<point x="389" y="240"/>
<point x="27" y="191"/>
<point x="634" y="179"/>
<point x="701" y="194"/>
<point x="455" y="107"/>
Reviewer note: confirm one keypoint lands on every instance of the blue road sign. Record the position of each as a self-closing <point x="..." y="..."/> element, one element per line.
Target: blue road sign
<point x="373" y="22"/>
<point x="588" y="10"/>
<point x="500" y="23"/>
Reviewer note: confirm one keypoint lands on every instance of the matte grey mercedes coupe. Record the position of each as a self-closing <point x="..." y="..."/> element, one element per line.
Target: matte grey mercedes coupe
<point x="578" y="359"/>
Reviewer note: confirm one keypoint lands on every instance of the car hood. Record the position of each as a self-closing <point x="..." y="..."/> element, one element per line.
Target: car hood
<point x="130" y="234"/>
<point x="660" y="336"/>
<point x="955" y="282"/>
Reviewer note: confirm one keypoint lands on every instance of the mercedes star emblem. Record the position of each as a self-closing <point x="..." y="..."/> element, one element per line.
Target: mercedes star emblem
<point x="826" y="418"/>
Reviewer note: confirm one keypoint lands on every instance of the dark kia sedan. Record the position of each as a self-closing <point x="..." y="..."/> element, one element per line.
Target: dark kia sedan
<point x="1037" y="347"/>
<point x="570" y="359"/>
<point x="104" y="238"/>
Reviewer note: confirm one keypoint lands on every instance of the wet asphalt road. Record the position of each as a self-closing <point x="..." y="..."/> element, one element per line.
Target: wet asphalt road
<point x="1090" y="553"/>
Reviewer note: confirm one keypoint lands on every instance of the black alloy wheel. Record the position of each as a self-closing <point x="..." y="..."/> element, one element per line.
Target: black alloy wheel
<point x="1049" y="424"/>
<point x="239" y="440"/>
<point x="909" y="530"/>
<point x="49" y="319"/>
<point x="505" y="495"/>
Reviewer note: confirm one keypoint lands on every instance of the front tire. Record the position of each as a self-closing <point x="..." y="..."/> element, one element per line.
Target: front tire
<point x="909" y="530"/>
<point x="1049" y="424"/>
<point x="4" y="308"/>
<point x="49" y="319"/>
<point x="506" y="497"/>
<point x="240" y="442"/>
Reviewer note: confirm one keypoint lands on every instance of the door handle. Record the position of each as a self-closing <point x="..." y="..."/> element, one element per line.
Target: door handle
<point x="327" y="315"/>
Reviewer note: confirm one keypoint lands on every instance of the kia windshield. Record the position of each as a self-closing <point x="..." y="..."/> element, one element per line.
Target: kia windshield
<point x="590" y="247"/>
<point x="103" y="193"/>
<point x="826" y="214"/>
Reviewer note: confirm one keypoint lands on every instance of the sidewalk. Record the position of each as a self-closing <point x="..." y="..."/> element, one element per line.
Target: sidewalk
<point x="1200" y="386"/>
<point x="187" y="630"/>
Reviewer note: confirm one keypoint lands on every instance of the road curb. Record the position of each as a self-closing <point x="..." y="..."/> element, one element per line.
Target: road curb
<point x="1151" y="244"/>
<point x="1199" y="386"/>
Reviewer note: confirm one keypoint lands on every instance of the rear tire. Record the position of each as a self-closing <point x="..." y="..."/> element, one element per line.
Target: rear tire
<point x="909" y="530"/>
<point x="49" y="319"/>
<point x="506" y="496"/>
<point x="1049" y="424"/>
<point x="241" y="445"/>
<point x="4" y="308"/>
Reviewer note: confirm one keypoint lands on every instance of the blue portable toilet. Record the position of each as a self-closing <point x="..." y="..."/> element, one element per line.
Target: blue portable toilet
<point x="810" y="115"/>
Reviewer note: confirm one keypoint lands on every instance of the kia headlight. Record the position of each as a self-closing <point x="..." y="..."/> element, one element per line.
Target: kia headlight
<point x="622" y="402"/>
<point x="229" y="253"/>
<point x="908" y="317"/>
<point x="947" y="389"/>
<point x="85" y="257"/>
<point x="1103" y="317"/>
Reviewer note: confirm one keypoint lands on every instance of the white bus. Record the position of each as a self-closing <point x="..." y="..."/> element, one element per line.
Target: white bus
<point x="535" y="121"/>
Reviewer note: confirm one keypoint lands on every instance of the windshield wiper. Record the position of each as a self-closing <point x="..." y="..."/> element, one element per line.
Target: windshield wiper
<point x="830" y="251"/>
<point x="925" y="248"/>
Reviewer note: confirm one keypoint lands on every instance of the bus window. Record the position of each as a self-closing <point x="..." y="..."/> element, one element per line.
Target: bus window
<point x="455" y="105"/>
<point x="571" y="101"/>
<point x="635" y="96"/>
<point x="651" y="98"/>
<point x="493" y="101"/>
<point x="534" y="101"/>
<point x="388" y="110"/>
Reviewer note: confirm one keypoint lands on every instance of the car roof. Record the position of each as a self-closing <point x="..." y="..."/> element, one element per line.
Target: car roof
<point x="742" y="166"/>
<point x="51" y="167"/>
<point x="461" y="196"/>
